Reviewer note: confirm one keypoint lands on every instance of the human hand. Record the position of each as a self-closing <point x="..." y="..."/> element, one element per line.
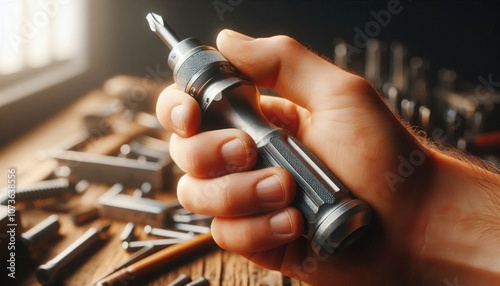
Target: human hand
<point x="340" y="118"/>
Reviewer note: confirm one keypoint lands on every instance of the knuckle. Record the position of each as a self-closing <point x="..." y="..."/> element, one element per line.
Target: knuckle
<point x="358" y="84"/>
<point x="286" y="42"/>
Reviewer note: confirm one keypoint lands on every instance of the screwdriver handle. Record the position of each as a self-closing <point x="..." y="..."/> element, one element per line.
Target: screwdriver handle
<point x="318" y="192"/>
<point x="333" y="218"/>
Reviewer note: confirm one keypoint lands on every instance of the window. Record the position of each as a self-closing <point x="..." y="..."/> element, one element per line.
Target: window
<point x="42" y="43"/>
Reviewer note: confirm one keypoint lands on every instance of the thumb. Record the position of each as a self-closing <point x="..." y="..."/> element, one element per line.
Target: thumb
<point x="284" y="65"/>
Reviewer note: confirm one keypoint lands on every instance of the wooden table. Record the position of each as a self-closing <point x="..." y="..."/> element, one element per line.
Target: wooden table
<point x="218" y="266"/>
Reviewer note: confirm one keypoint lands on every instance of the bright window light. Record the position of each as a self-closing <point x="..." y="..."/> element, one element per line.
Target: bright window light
<point x="42" y="42"/>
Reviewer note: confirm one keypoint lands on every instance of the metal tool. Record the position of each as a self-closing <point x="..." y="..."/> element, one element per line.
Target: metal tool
<point x="333" y="218"/>
<point x="47" y="273"/>
<point x="192" y="218"/>
<point x="399" y="67"/>
<point x="376" y="63"/>
<point x="168" y="233"/>
<point x="192" y="228"/>
<point x="128" y="232"/>
<point x="42" y="233"/>
<point x="138" y="244"/>
<point x="132" y="273"/>
<point x="84" y="216"/>
<point x="41" y="190"/>
<point x="113" y="191"/>
<point x="136" y="256"/>
<point x="135" y="149"/>
<point x="109" y="169"/>
<point x="181" y="280"/>
<point x="139" y="210"/>
<point x="200" y="281"/>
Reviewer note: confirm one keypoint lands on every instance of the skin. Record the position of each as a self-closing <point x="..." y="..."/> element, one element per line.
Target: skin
<point x="429" y="209"/>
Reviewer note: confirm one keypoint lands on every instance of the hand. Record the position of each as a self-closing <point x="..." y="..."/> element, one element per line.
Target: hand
<point x="341" y="119"/>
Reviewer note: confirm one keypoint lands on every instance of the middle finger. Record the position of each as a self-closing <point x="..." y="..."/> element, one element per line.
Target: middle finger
<point x="237" y="194"/>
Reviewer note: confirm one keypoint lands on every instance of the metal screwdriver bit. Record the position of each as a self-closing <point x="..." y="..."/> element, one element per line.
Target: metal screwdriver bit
<point x="166" y="34"/>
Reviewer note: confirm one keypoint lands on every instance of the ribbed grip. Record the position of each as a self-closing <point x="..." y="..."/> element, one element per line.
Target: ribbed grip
<point x="316" y="184"/>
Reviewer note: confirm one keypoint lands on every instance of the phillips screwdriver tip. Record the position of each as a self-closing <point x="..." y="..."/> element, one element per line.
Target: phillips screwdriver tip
<point x="154" y="20"/>
<point x="166" y="34"/>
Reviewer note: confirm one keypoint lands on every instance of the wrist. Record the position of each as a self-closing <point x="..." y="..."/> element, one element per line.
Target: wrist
<point x="458" y="238"/>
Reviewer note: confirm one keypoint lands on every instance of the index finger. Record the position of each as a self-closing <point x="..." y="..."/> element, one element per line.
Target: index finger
<point x="284" y="65"/>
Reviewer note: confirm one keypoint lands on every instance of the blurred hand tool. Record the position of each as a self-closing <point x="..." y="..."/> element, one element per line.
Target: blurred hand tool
<point x="134" y="272"/>
<point x="136" y="256"/>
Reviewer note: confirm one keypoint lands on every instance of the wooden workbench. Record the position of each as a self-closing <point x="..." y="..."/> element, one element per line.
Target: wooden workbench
<point x="219" y="266"/>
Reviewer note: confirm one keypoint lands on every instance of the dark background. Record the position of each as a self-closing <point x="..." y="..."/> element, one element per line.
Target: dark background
<point x="459" y="35"/>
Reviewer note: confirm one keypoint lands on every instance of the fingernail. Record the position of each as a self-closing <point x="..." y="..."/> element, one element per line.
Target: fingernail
<point x="237" y="35"/>
<point x="270" y="189"/>
<point x="234" y="153"/>
<point x="177" y="117"/>
<point x="281" y="223"/>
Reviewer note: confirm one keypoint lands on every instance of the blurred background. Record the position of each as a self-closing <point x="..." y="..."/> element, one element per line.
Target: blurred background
<point x="436" y="62"/>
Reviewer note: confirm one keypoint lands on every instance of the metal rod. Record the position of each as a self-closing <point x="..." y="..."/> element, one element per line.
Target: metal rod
<point x="47" y="273"/>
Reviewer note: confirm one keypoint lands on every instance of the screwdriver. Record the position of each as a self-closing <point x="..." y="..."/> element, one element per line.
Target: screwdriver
<point x="333" y="218"/>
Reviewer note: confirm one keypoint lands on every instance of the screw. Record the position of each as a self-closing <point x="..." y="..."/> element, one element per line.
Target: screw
<point x="202" y="281"/>
<point x="192" y="91"/>
<point x="181" y="280"/>
<point x="41" y="190"/>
